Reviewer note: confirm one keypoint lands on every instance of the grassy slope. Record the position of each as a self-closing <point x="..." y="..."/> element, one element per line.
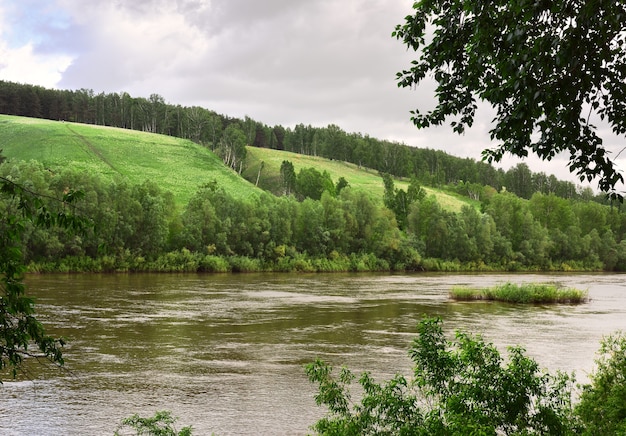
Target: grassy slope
<point x="363" y="178"/>
<point x="177" y="165"/>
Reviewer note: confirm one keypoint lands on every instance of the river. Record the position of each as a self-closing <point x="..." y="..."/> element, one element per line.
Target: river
<point x="225" y="353"/>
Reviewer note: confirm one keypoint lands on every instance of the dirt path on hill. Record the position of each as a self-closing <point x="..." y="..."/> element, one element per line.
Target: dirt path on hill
<point x="93" y="149"/>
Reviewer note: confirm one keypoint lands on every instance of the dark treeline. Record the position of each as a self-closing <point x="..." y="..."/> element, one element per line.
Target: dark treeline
<point x="138" y="228"/>
<point x="227" y="136"/>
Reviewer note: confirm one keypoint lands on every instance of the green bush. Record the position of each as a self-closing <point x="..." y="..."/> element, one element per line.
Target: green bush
<point x="302" y="264"/>
<point x="529" y="293"/>
<point x="339" y="264"/>
<point x="458" y="388"/>
<point x="244" y="264"/>
<point x="602" y="406"/>
<point x="284" y="264"/>
<point x="213" y="264"/>
<point x="161" y="424"/>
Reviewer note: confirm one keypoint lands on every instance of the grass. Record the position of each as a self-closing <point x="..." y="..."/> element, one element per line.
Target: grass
<point x="177" y="165"/>
<point x="528" y="293"/>
<point x="360" y="178"/>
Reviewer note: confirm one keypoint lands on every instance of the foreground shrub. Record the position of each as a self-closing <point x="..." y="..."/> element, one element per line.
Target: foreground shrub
<point x="602" y="406"/>
<point x="458" y="388"/>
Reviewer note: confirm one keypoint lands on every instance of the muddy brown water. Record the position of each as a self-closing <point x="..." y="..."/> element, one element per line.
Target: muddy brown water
<point x="225" y="353"/>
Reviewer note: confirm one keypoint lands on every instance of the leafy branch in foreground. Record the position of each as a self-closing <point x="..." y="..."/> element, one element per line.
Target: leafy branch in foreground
<point x="461" y="387"/>
<point x="548" y="68"/>
<point x="602" y="404"/>
<point x="19" y="328"/>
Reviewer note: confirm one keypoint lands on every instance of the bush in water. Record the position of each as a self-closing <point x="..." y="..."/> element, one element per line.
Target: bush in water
<point x="528" y="293"/>
<point x="161" y="424"/>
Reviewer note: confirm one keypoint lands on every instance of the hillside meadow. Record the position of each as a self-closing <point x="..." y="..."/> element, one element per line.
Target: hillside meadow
<point x="359" y="178"/>
<point x="176" y="165"/>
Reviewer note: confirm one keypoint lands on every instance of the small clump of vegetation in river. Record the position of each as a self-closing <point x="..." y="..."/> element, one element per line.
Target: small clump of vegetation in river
<point x="527" y="293"/>
<point x="161" y="424"/>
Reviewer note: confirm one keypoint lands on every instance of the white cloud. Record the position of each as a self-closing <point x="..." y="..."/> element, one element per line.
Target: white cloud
<point x="23" y="65"/>
<point x="20" y="61"/>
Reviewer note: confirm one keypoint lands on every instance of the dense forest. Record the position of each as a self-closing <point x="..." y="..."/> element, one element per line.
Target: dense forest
<point x="139" y="228"/>
<point x="526" y="221"/>
<point x="228" y="137"/>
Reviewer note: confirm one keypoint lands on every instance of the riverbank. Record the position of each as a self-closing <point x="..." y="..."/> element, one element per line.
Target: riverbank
<point x="186" y="261"/>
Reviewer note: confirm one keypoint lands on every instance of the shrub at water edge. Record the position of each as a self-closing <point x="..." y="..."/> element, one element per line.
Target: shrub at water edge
<point x="459" y="387"/>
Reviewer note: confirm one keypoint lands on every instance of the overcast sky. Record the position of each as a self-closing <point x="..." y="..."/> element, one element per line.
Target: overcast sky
<point x="285" y="62"/>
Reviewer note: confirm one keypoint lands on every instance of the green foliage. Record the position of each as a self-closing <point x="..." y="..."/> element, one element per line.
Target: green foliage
<point x="528" y="293"/>
<point x="360" y="178"/>
<point x="398" y="200"/>
<point x="310" y="183"/>
<point x="548" y="69"/>
<point x="19" y="328"/>
<point x="213" y="264"/>
<point x="244" y="264"/>
<point x="121" y="156"/>
<point x="384" y="410"/>
<point x="529" y="240"/>
<point x="458" y="388"/>
<point x="138" y="227"/>
<point x="205" y="127"/>
<point x="288" y="177"/>
<point x="233" y="147"/>
<point x="602" y="406"/>
<point x="161" y="424"/>
<point x="341" y="183"/>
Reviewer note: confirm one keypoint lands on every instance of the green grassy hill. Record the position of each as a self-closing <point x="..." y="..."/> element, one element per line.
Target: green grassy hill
<point x="359" y="178"/>
<point x="177" y="165"/>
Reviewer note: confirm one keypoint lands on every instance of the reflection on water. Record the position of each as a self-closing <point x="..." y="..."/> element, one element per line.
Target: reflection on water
<point x="225" y="353"/>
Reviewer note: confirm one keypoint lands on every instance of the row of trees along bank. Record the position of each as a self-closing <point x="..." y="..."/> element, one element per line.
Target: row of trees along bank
<point x="139" y="228"/>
